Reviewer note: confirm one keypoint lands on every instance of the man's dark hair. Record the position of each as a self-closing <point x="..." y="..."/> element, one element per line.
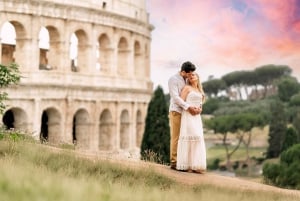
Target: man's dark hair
<point x="188" y="67"/>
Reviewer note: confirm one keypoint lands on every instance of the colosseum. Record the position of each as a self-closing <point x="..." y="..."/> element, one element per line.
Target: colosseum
<point x="85" y="67"/>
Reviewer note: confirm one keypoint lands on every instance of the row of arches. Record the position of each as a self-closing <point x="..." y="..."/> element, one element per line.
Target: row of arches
<point x="82" y="128"/>
<point x="85" y="53"/>
<point x="86" y="74"/>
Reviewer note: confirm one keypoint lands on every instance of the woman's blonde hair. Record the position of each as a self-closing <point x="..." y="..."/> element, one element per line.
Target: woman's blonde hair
<point x="200" y="88"/>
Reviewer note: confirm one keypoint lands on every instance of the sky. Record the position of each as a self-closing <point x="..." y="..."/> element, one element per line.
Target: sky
<point x="222" y="36"/>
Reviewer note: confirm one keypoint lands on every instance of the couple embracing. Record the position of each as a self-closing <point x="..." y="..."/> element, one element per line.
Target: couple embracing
<point x="187" y="148"/>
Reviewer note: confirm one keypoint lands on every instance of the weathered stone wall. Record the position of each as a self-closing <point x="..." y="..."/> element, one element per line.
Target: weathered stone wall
<point x="99" y="102"/>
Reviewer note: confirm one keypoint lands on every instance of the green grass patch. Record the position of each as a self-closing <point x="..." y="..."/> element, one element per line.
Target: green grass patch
<point x="218" y="152"/>
<point x="32" y="172"/>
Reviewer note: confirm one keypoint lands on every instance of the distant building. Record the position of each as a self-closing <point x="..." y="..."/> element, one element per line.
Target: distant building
<point x="85" y="68"/>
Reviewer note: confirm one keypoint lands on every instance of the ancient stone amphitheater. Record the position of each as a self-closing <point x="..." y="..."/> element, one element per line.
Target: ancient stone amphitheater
<point x="85" y="67"/>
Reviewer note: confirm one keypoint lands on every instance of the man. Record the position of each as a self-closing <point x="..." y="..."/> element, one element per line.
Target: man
<point x="176" y="83"/>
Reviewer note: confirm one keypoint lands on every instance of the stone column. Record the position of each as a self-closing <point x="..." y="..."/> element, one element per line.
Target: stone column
<point x="95" y="119"/>
<point x="133" y="122"/>
<point x="106" y="60"/>
<point x="147" y="62"/>
<point x="85" y="56"/>
<point x="0" y="51"/>
<point x="37" y="118"/>
<point x="117" y="125"/>
<point x="26" y="54"/>
<point x="68" y="126"/>
<point x="134" y="150"/>
<point x="114" y="57"/>
<point x="130" y="59"/>
<point x="56" y="56"/>
<point x="65" y="51"/>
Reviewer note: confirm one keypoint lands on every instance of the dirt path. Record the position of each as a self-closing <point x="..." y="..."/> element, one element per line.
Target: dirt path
<point x="208" y="178"/>
<point x="215" y="180"/>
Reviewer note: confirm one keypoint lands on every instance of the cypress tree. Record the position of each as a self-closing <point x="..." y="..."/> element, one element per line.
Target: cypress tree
<point x="296" y="124"/>
<point x="277" y="129"/>
<point x="156" y="138"/>
<point x="291" y="138"/>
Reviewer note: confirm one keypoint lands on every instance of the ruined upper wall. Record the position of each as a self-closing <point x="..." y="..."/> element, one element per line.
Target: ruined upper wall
<point x="135" y="9"/>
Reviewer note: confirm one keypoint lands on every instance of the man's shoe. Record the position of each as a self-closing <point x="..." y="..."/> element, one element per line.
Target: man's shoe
<point x="199" y="171"/>
<point x="173" y="167"/>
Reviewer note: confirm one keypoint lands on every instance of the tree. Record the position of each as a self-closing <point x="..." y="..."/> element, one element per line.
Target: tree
<point x="223" y="125"/>
<point x="267" y="74"/>
<point x="287" y="87"/>
<point x="213" y="104"/>
<point x="156" y="138"/>
<point x="277" y="129"/>
<point x="213" y="87"/>
<point x="8" y="75"/>
<point x="296" y="124"/>
<point x="241" y="124"/>
<point x="238" y="80"/>
<point x="295" y="100"/>
<point x="245" y="124"/>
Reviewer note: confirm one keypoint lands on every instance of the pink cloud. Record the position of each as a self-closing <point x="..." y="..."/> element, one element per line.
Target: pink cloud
<point x="226" y="34"/>
<point x="296" y="26"/>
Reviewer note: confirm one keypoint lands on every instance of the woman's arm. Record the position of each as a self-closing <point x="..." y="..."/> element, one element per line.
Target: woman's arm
<point x="184" y="92"/>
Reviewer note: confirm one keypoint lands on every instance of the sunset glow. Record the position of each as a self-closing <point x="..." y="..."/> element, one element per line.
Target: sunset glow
<point x="221" y="36"/>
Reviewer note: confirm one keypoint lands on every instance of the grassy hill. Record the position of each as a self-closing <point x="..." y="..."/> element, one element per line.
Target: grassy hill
<point x="30" y="171"/>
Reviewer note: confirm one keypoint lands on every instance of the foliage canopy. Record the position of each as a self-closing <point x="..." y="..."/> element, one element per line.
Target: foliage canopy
<point x="8" y="75"/>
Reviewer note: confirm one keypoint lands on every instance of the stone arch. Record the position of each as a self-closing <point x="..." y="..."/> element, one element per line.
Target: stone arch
<point x="21" y="41"/>
<point x="51" y="126"/>
<point x="124" y="130"/>
<point x="8" y="43"/>
<point x="43" y="49"/>
<point x="55" y="47"/>
<point x="20" y="30"/>
<point x="81" y="129"/>
<point x="138" y="59"/>
<point x="123" y="54"/>
<point x="106" y="131"/>
<point x="139" y="128"/>
<point x="78" y="63"/>
<point x="105" y="53"/>
<point x="15" y="118"/>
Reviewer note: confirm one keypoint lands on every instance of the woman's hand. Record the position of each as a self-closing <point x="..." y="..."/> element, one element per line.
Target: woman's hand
<point x="195" y="110"/>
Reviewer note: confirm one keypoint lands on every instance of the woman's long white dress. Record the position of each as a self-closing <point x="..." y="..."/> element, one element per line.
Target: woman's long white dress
<point x="191" y="151"/>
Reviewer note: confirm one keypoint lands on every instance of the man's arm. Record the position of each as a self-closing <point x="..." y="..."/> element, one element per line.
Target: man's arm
<point x="175" y="94"/>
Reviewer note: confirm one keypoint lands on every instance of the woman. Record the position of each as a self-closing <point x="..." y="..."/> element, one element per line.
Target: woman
<point x="191" y="151"/>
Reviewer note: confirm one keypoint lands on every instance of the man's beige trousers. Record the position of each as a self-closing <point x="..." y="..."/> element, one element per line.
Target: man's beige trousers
<point x="174" y="120"/>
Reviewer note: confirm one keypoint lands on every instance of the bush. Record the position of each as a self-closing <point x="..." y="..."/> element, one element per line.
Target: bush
<point x="291" y="138"/>
<point x="213" y="104"/>
<point x="10" y="138"/>
<point x="214" y="165"/>
<point x="295" y="100"/>
<point x="287" y="173"/>
<point x="291" y="155"/>
<point x="271" y="172"/>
